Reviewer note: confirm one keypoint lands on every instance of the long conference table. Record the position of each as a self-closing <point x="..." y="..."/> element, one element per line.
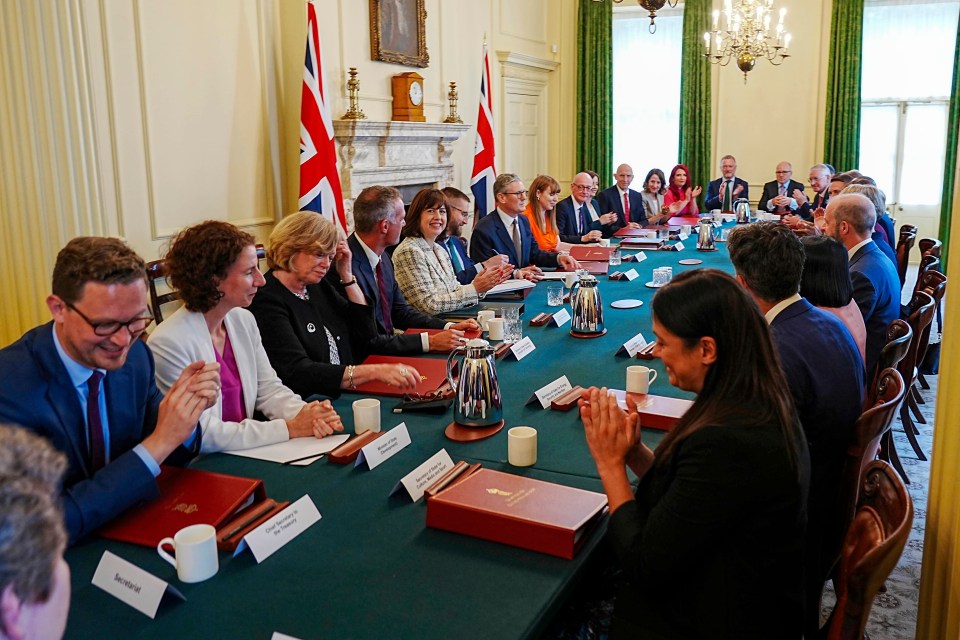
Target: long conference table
<point x="370" y="568"/>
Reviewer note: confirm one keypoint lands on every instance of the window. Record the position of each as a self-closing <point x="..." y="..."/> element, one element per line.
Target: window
<point x="646" y="90"/>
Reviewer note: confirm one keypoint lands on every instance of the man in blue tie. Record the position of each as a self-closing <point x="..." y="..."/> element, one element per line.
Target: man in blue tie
<point x="458" y="215"/>
<point x="778" y="194"/>
<point x="575" y="222"/>
<point x="85" y="381"/>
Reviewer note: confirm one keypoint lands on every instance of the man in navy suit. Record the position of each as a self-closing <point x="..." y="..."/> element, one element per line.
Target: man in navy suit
<point x="725" y="190"/>
<point x="778" y="195"/>
<point x="507" y="232"/>
<point x="850" y="219"/>
<point x="85" y="381"/>
<point x="819" y="177"/>
<point x="823" y="369"/>
<point x="623" y="201"/>
<point x="377" y="218"/>
<point x="575" y="222"/>
<point x="458" y="215"/>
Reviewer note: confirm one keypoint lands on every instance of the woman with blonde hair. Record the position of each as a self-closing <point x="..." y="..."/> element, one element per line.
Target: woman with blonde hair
<point x="541" y="211"/>
<point x="313" y="336"/>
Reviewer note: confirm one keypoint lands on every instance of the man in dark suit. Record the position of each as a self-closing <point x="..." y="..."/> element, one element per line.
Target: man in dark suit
<point x="823" y="368"/>
<point x="850" y="219"/>
<point x="377" y="218"/>
<point x="820" y="177"/>
<point x="458" y="215"/>
<point x="623" y="201"/>
<point x="725" y="190"/>
<point x="86" y="382"/>
<point x="778" y="195"/>
<point x="575" y="222"/>
<point x="507" y="232"/>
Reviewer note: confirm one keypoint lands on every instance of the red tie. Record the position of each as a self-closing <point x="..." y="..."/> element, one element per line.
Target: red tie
<point x="384" y="304"/>
<point x="626" y="206"/>
<point x="98" y="456"/>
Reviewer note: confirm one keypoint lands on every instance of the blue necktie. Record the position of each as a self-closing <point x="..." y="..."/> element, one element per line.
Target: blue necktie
<point x="454" y="256"/>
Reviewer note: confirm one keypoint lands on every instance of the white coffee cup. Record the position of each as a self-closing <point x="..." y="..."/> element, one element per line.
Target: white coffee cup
<point x="570" y="279"/>
<point x="522" y="446"/>
<point x="686" y="229"/>
<point x="366" y="415"/>
<point x="639" y="378"/>
<point x="604" y="242"/>
<point x="495" y="328"/>
<point x="484" y="316"/>
<point x="195" y="552"/>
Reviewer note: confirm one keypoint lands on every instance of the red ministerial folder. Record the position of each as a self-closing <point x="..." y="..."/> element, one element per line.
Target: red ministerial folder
<point x="596" y="254"/>
<point x="522" y="512"/>
<point x="626" y="232"/>
<point x="677" y="221"/>
<point x="659" y="412"/>
<point x="595" y="268"/>
<point x="469" y="335"/>
<point x="433" y="373"/>
<point x="187" y="496"/>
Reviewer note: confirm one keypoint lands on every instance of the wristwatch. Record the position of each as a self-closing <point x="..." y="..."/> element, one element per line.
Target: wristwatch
<point x="347" y="283"/>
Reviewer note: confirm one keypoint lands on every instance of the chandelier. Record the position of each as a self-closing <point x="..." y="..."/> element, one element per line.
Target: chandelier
<point x="652" y="6"/>
<point x="747" y="37"/>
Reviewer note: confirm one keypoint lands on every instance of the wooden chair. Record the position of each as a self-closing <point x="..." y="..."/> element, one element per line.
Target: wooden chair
<point x="908" y="236"/>
<point x="871" y="428"/>
<point x="935" y="284"/>
<point x="156" y="271"/>
<point x="899" y="334"/>
<point x="871" y="549"/>
<point x="930" y="246"/>
<point x="928" y="262"/>
<point x="921" y="313"/>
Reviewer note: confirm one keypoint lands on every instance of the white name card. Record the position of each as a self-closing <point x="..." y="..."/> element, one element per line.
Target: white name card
<point x="132" y="585"/>
<point x="678" y="246"/>
<point x="632" y="346"/>
<point x="684" y="236"/>
<point x="274" y="533"/>
<point x="282" y="636"/>
<point x="521" y="348"/>
<point x="640" y="257"/>
<point x="423" y="476"/>
<point x="560" y="318"/>
<point x="631" y="275"/>
<point x="384" y="447"/>
<point x="546" y="394"/>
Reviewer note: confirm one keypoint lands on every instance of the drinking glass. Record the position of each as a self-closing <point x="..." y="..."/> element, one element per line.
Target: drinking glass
<point x="615" y="258"/>
<point x="554" y="295"/>
<point x="512" y="329"/>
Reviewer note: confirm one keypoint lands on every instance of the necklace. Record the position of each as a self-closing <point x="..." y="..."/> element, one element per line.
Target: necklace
<point x="303" y="295"/>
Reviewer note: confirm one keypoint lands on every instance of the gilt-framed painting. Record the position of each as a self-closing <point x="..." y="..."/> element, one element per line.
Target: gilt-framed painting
<point x="398" y="32"/>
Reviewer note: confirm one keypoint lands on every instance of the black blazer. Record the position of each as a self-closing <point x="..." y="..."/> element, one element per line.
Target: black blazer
<point x="36" y="393"/>
<point x="567" y="223"/>
<point x="712" y="545"/>
<point x="402" y="314"/>
<point x="713" y="193"/>
<point x="807" y="208"/>
<point x="293" y="334"/>
<point x="610" y="201"/>
<point x="491" y="238"/>
<point x="772" y="190"/>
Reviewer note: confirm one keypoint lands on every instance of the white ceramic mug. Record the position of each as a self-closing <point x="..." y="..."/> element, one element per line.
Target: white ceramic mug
<point x="639" y="378"/>
<point x="570" y="279"/>
<point x="604" y="242"/>
<point x="484" y="316"/>
<point x="522" y="446"/>
<point x="366" y="415"/>
<point x="495" y="328"/>
<point x="195" y="552"/>
<point x="686" y="229"/>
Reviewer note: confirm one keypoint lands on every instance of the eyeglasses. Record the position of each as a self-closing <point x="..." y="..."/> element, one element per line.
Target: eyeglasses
<point x="582" y="187"/>
<point x="463" y="211"/>
<point x="110" y="327"/>
<point x="779" y="172"/>
<point x="432" y="211"/>
<point x="519" y="194"/>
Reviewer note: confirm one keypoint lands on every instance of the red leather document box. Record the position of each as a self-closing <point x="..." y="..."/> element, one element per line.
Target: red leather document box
<point x="522" y="512"/>
<point x="659" y="412"/>
<point x="433" y="373"/>
<point x="595" y="268"/>
<point x="644" y="244"/>
<point x="187" y="496"/>
<point x="625" y="232"/>
<point x="596" y="254"/>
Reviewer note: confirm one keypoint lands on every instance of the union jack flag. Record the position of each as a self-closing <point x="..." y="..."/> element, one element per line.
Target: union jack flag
<point x="319" y="177"/>
<point x="484" y="156"/>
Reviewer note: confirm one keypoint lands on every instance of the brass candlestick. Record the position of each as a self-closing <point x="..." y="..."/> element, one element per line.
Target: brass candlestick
<point x="453" y="97"/>
<point x="353" y="90"/>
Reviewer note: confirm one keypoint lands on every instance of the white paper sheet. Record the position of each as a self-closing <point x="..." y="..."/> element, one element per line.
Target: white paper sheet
<point x="512" y="285"/>
<point x="284" y="452"/>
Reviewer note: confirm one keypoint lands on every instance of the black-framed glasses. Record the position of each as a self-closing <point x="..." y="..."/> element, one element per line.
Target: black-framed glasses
<point x="110" y="327"/>
<point x="468" y="214"/>
<point x="583" y="187"/>
<point x="520" y="194"/>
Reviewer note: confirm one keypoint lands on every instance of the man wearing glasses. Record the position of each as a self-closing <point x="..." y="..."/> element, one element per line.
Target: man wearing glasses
<point x="778" y="195"/>
<point x="507" y="232"/>
<point x="85" y="381"/>
<point x="458" y="215"/>
<point x="576" y="224"/>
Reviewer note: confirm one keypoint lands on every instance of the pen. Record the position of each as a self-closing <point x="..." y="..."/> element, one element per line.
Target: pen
<point x="316" y="455"/>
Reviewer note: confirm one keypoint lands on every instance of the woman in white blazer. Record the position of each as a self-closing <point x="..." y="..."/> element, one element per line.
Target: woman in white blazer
<point x="214" y="267"/>
<point x="422" y="266"/>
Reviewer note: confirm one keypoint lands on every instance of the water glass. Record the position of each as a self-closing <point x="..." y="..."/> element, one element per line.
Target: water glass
<point x="615" y="258"/>
<point x="554" y="295"/>
<point x="512" y="329"/>
<point x="663" y="233"/>
<point x="662" y="275"/>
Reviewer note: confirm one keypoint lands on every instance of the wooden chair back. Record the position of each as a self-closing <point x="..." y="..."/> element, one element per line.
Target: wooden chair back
<point x="871" y="549"/>
<point x="934" y="284"/>
<point x="908" y="235"/>
<point x="928" y="262"/>
<point x="920" y="314"/>
<point x="930" y="247"/>
<point x="899" y="335"/>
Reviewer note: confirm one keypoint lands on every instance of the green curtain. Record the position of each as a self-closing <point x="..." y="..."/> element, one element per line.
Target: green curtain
<point x="842" y="135"/>
<point x="595" y="88"/>
<point x="695" y="94"/>
<point x="950" y="166"/>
